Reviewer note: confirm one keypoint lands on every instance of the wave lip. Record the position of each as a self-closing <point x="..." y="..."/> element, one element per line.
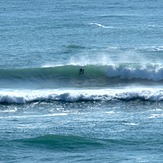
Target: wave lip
<point x="28" y="96"/>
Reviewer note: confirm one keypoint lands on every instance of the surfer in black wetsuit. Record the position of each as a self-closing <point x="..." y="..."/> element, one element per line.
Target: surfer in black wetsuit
<point x="81" y="71"/>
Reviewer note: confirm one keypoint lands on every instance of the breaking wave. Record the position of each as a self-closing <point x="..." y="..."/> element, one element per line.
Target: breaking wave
<point x="28" y="96"/>
<point x="128" y="71"/>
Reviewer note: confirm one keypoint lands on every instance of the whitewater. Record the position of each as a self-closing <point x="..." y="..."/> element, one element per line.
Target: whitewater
<point x="28" y="96"/>
<point x="50" y="112"/>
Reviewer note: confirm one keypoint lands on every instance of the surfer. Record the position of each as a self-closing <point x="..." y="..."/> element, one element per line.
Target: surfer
<point x="81" y="71"/>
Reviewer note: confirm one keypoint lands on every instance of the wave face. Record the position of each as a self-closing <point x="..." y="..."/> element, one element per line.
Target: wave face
<point x="28" y="96"/>
<point x="94" y="75"/>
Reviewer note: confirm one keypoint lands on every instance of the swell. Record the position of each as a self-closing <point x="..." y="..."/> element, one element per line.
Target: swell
<point x="75" y="143"/>
<point x="62" y="142"/>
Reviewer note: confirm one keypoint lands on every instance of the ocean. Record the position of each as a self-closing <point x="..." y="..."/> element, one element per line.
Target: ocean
<point x="111" y="111"/>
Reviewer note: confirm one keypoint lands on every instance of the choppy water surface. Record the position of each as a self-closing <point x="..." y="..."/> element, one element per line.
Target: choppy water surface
<point x="110" y="113"/>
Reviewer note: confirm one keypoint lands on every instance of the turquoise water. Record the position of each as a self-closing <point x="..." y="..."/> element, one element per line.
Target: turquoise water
<point x="49" y="112"/>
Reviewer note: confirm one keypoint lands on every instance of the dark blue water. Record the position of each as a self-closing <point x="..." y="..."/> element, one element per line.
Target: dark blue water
<point x="112" y="112"/>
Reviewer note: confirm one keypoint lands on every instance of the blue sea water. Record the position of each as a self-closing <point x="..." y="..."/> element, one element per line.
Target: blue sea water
<point x="49" y="112"/>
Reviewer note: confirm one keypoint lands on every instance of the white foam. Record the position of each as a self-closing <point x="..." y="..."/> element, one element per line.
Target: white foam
<point x="150" y="72"/>
<point x="131" y="124"/>
<point x="101" y="25"/>
<point x="9" y="110"/>
<point x="152" y="116"/>
<point x="25" y="96"/>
